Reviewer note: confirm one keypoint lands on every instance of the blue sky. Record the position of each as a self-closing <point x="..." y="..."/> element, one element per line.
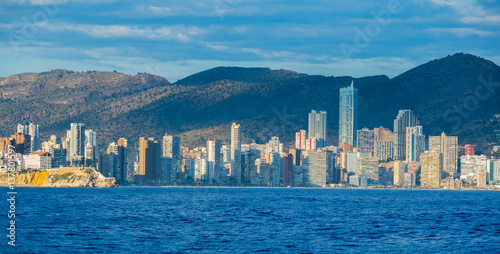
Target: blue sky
<point x="177" y="38"/>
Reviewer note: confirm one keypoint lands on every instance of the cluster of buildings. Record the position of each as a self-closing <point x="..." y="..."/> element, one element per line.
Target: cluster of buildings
<point x="401" y="157"/>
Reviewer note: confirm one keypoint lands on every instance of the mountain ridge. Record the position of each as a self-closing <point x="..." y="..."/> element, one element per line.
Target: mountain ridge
<point x="276" y="103"/>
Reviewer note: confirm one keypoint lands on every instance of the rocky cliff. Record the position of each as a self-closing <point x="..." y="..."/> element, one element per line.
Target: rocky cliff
<point x="61" y="177"/>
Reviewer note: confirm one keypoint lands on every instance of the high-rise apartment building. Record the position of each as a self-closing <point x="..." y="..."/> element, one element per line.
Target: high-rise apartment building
<point x="431" y="167"/>
<point x="274" y="146"/>
<point x="383" y="144"/>
<point x="248" y="168"/>
<point x="275" y="161"/>
<point x="171" y="148"/>
<point x="316" y="165"/>
<point x="415" y="143"/>
<point x="119" y="170"/>
<point x="77" y="142"/>
<point x="348" y="115"/>
<point x="214" y="161"/>
<point x="150" y="159"/>
<point x="469" y="150"/>
<point x="297" y="158"/>
<point x="91" y="146"/>
<point x="365" y="141"/>
<point x="236" y="153"/>
<point x="300" y="139"/>
<point x="90" y="152"/>
<point x="317" y="127"/>
<point x="399" y="169"/>
<point x="405" y="118"/>
<point x="471" y="166"/>
<point x="346" y="148"/>
<point x="6" y="144"/>
<point x="493" y="169"/>
<point x="31" y="130"/>
<point x="22" y="143"/>
<point x="288" y="162"/>
<point x="448" y="147"/>
<point x="264" y="173"/>
<point x="368" y="166"/>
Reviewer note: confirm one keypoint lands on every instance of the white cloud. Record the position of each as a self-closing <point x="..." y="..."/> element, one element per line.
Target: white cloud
<point x="5" y="26"/>
<point x="159" y="10"/>
<point x="461" y="31"/>
<point x="463" y="7"/>
<point x="217" y="46"/>
<point x="267" y="54"/>
<point x="47" y="2"/>
<point x="176" y="32"/>
<point x="52" y="2"/>
<point x="471" y="11"/>
<point x="486" y="19"/>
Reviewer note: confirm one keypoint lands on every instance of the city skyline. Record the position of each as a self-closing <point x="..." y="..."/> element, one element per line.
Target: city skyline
<point x="161" y="162"/>
<point x="232" y="126"/>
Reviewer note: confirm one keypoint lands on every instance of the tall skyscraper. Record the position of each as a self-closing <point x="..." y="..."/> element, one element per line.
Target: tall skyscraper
<point x="119" y="170"/>
<point x="90" y="154"/>
<point x="348" y="115"/>
<point x="274" y="146"/>
<point x="493" y="169"/>
<point x="275" y="161"/>
<point x="297" y="158"/>
<point x="236" y="153"/>
<point x="77" y="142"/>
<point x="415" y="143"/>
<point x="404" y="119"/>
<point x="150" y="159"/>
<point x="317" y="127"/>
<point x="91" y="137"/>
<point x="214" y="161"/>
<point x="399" y="173"/>
<point x="288" y="162"/>
<point x="91" y="140"/>
<point x="31" y="130"/>
<point x="383" y="144"/>
<point x="365" y="141"/>
<point x="431" y="168"/>
<point x="300" y="139"/>
<point x="448" y="147"/>
<point x="171" y="148"/>
<point x="248" y="168"/>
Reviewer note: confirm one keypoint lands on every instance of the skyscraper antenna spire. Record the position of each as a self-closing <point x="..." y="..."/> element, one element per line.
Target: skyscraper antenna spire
<point x="352" y="83"/>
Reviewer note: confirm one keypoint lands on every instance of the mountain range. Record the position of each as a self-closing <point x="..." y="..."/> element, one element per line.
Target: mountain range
<point x="457" y="94"/>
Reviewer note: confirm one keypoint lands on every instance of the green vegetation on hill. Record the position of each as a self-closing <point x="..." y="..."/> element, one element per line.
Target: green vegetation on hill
<point x="246" y="75"/>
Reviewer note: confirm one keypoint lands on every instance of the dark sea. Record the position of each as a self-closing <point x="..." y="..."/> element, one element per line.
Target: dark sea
<point x="250" y="220"/>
